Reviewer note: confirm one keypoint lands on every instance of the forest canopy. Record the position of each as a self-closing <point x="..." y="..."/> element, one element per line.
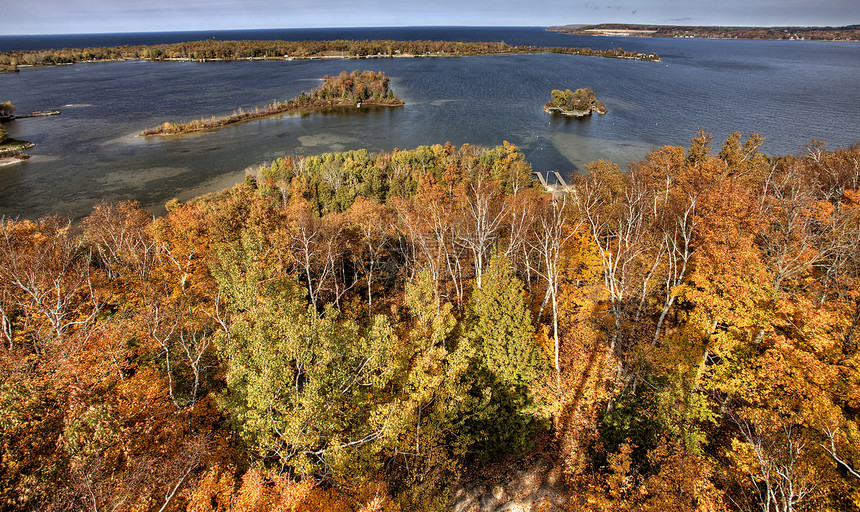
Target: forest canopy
<point x="358" y="331"/>
<point x="579" y="102"/>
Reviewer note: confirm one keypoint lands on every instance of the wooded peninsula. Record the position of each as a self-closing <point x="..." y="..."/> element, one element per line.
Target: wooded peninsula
<point x="210" y="50"/>
<point x="846" y="33"/>
<point x="11" y="150"/>
<point x="345" y="90"/>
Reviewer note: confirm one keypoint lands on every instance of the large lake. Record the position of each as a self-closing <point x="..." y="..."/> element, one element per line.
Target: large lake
<point x="788" y="91"/>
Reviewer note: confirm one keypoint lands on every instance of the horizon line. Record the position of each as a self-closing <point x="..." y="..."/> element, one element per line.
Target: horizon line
<point x="36" y="34"/>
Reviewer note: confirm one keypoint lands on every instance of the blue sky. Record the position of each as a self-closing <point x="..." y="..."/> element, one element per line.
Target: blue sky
<point x="95" y="16"/>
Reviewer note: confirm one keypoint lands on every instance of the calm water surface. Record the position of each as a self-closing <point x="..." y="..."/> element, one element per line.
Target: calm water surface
<point x="790" y="92"/>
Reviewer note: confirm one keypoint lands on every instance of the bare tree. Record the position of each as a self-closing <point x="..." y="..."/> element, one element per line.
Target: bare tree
<point x="7" y="308"/>
<point x="175" y="334"/>
<point x="194" y="345"/>
<point x="831" y="449"/>
<point x="53" y="277"/>
<point x="798" y="224"/>
<point x="177" y="469"/>
<point x="162" y="328"/>
<point x="779" y="474"/>
<point x="481" y="224"/>
<point x="312" y="250"/>
<point x="678" y="238"/>
<point x="118" y="233"/>
<point x="428" y="228"/>
<point x="96" y="488"/>
<point x="618" y="215"/>
<point x="554" y="230"/>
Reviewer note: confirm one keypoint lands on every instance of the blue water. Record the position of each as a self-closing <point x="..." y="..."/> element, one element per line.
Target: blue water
<point x="789" y="91"/>
<point x="511" y="35"/>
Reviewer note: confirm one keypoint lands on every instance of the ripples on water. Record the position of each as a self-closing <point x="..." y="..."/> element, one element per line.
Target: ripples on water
<point x="790" y="92"/>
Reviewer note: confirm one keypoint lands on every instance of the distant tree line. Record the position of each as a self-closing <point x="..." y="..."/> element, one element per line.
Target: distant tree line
<point x="242" y="50"/>
<point x="846" y="33"/>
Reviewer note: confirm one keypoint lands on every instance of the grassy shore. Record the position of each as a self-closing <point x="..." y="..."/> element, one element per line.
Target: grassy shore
<point x="345" y="90"/>
<point x="240" y="116"/>
<point x="12" y="151"/>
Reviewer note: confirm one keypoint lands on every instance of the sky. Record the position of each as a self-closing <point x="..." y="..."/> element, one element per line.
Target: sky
<point x="105" y="16"/>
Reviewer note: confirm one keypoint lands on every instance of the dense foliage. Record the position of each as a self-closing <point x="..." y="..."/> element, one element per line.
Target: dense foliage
<point x="9" y="147"/>
<point x="582" y="101"/>
<point x="344" y="90"/>
<point x="7" y="109"/>
<point x="354" y="332"/>
<point x="241" y="50"/>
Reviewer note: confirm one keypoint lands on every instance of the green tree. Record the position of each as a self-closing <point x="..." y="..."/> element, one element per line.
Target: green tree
<point x="506" y="362"/>
<point x="300" y="388"/>
<point x="562" y="99"/>
<point x="7" y="109"/>
<point x="502" y="327"/>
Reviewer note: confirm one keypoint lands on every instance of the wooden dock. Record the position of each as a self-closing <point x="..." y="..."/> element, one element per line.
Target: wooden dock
<point x="559" y="187"/>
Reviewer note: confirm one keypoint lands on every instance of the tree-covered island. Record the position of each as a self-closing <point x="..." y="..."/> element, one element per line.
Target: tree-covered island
<point x="345" y="90"/>
<point x="580" y="103"/>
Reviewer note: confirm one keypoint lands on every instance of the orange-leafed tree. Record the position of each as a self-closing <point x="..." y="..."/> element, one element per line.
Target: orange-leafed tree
<point x="49" y="288"/>
<point x="374" y="224"/>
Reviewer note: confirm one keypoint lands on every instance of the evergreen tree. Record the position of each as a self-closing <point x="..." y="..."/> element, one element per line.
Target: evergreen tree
<point x="506" y="361"/>
<point x="502" y="327"/>
<point x="301" y="388"/>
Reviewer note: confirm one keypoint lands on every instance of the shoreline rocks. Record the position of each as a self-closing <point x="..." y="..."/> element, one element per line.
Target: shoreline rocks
<point x="575" y="113"/>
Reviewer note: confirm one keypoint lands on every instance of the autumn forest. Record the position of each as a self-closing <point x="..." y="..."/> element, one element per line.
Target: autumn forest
<point x="360" y="332"/>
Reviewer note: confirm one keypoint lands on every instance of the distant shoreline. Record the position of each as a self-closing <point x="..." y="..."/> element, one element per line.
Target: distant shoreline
<point x="219" y="51"/>
<point x="846" y="33"/>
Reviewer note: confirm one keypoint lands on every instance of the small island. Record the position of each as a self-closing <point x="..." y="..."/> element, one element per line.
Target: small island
<point x="580" y="103"/>
<point x="345" y="90"/>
